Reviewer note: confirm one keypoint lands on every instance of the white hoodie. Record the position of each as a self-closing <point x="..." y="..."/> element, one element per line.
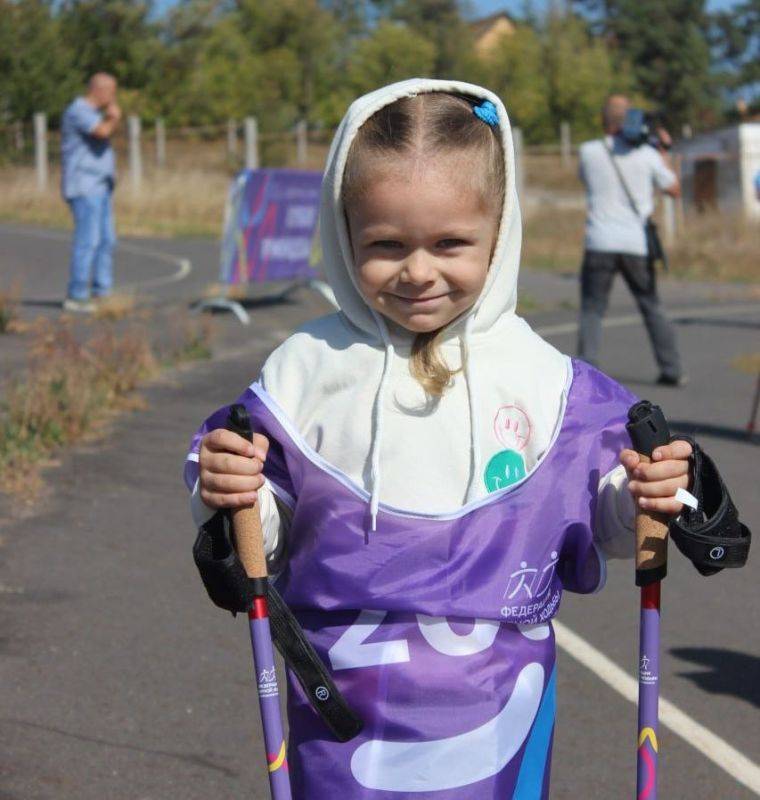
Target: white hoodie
<point x="344" y="380"/>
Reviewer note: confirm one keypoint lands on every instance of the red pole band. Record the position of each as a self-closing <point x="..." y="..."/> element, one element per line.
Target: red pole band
<point x="650" y="596"/>
<point x="259" y="609"/>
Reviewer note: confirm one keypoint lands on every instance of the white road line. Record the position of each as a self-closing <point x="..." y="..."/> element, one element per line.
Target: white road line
<point x="635" y="319"/>
<point x="737" y="765"/>
<point x="184" y="265"/>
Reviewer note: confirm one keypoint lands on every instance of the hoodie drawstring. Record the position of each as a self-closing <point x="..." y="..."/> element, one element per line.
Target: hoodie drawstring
<point x="378" y="418"/>
<point x="377" y="421"/>
<point x="472" y="401"/>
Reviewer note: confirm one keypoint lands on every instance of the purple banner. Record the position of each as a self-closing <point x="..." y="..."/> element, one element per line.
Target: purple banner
<point x="270" y="226"/>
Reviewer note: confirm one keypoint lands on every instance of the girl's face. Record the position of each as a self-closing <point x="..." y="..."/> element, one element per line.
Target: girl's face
<point x="422" y="240"/>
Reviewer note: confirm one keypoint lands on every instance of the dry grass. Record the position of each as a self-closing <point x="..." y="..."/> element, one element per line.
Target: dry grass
<point x="76" y="379"/>
<point x="749" y="363"/>
<point x="116" y="306"/>
<point x="187" y="203"/>
<point x="547" y="172"/>
<point x="186" y="198"/>
<point x="709" y="247"/>
<point x="9" y="309"/>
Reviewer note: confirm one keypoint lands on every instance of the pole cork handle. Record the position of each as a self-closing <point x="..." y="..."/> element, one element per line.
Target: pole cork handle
<point x="648" y="429"/>
<point x="246" y="522"/>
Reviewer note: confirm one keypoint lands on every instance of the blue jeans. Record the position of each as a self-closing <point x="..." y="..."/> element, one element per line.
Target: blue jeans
<point x="92" y="246"/>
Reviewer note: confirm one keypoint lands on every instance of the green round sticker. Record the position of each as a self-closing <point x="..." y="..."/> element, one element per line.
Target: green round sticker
<point x="504" y="469"/>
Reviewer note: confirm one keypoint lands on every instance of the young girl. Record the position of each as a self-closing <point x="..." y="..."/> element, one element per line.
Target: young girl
<point x="436" y="473"/>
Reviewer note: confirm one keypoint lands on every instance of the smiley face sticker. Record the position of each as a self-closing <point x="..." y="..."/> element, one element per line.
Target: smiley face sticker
<point x="512" y="428"/>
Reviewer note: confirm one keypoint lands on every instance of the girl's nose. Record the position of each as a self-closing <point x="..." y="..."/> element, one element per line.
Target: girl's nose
<point x="417" y="269"/>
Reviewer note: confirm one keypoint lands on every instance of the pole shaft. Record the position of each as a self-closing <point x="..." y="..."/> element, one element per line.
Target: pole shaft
<point x="269" y="700"/>
<point x="649" y="679"/>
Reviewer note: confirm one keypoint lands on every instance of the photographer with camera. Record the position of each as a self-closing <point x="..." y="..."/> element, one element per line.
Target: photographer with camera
<point x="620" y="173"/>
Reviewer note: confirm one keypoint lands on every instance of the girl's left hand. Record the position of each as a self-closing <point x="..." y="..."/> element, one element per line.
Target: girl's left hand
<point x="654" y="485"/>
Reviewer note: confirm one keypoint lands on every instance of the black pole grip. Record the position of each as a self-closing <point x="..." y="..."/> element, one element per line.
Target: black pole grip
<point x="647" y="427"/>
<point x="239" y="422"/>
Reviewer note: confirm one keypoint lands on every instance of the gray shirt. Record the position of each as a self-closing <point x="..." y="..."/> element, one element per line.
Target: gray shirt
<point x="612" y="226"/>
<point x="87" y="162"/>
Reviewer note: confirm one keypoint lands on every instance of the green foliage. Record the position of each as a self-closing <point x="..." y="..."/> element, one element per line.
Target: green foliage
<point x="667" y="44"/>
<point x="554" y="73"/>
<point x="36" y="73"/>
<point x="438" y="21"/>
<point x="391" y="53"/>
<point x="736" y="35"/>
<point x="281" y="60"/>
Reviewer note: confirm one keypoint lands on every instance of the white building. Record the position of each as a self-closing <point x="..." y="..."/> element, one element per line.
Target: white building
<point x="718" y="169"/>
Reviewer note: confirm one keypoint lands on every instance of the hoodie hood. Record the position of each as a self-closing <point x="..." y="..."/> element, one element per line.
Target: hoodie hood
<point x="345" y="383"/>
<point x="499" y="294"/>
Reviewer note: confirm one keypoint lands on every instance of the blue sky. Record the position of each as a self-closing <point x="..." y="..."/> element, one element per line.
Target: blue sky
<point x="485" y="7"/>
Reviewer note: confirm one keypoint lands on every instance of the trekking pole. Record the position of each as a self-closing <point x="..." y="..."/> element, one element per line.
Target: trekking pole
<point x="648" y="430"/>
<point x="249" y="542"/>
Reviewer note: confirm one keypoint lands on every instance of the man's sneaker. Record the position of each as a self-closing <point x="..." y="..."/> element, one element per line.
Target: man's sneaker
<point x="676" y="382"/>
<point x="78" y="306"/>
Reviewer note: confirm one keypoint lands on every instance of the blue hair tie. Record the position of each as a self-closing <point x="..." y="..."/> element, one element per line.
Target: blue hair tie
<point x="487" y="112"/>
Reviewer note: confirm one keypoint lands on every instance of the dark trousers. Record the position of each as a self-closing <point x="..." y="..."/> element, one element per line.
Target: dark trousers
<point x="597" y="274"/>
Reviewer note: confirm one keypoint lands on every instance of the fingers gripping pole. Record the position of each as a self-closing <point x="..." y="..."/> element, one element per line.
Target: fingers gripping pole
<point x="648" y="430"/>
<point x="249" y="541"/>
<point x="249" y="537"/>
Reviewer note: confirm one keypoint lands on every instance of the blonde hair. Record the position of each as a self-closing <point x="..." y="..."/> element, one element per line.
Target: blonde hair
<point x="426" y="124"/>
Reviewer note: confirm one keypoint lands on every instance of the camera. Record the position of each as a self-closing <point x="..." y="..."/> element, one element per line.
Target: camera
<point x="640" y="127"/>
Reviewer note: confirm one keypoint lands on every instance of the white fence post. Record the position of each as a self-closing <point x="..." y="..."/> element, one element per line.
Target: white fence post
<point x="41" y="150"/>
<point x="251" y="143"/>
<point x="301" y="143"/>
<point x="565" y="143"/>
<point x="135" y="155"/>
<point x="232" y="139"/>
<point x="517" y="140"/>
<point x="160" y="143"/>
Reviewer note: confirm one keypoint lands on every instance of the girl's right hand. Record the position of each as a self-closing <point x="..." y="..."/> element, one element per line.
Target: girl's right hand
<point x="231" y="468"/>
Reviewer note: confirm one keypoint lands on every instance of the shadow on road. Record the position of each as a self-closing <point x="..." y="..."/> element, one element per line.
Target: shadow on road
<point x="741" y="435"/>
<point x="725" y="671"/>
<point x="58" y="304"/>
<point x="717" y="322"/>
<point x="190" y="758"/>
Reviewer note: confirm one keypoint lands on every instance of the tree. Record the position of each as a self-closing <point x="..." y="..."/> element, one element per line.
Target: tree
<point x="438" y="21"/>
<point x="392" y="53"/>
<point x="736" y="37"/>
<point x="666" y="43"/>
<point x="36" y="68"/>
<point x="580" y="72"/>
<point x="554" y="73"/>
<point x="515" y="71"/>
<point x="115" y="36"/>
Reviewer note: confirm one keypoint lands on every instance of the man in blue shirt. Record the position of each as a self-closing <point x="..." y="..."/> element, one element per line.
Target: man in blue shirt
<point x="615" y="239"/>
<point x="88" y="174"/>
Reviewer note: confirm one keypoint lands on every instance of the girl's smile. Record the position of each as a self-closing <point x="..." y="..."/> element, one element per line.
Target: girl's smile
<point x="422" y="239"/>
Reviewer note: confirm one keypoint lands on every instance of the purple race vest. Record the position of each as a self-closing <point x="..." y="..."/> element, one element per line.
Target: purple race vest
<point x="438" y="628"/>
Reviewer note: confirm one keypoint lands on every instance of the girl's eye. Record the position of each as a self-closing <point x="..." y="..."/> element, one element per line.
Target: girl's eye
<point x="387" y="244"/>
<point x="449" y="244"/>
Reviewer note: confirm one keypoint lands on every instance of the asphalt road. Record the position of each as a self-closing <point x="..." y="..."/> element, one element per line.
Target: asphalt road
<point x="119" y="680"/>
